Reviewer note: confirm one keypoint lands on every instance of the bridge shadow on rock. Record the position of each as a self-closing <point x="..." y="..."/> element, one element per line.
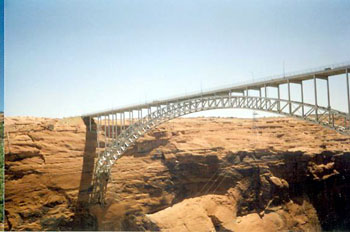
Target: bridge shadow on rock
<point x="83" y="220"/>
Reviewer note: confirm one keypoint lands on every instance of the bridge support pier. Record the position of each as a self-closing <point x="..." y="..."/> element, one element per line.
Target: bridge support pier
<point x="108" y="128"/>
<point x="120" y="123"/>
<point x="116" y="125"/>
<point x="302" y="98"/>
<point x="113" y="126"/>
<point x="123" y="120"/>
<point x="96" y="130"/>
<point x="329" y="101"/>
<point x="105" y="130"/>
<point x="141" y="115"/>
<point x="315" y="88"/>
<point x="289" y="102"/>
<point x="260" y="97"/>
<point x="265" y="88"/>
<point x="278" y="97"/>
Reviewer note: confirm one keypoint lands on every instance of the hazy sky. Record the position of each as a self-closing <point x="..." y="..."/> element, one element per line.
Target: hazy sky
<point x="68" y="57"/>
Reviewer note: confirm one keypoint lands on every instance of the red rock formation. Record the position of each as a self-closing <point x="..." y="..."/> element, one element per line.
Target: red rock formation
<point x="188" y="174"/>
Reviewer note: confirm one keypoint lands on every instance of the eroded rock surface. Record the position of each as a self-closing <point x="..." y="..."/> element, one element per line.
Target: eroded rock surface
<point x="190" y="174"/>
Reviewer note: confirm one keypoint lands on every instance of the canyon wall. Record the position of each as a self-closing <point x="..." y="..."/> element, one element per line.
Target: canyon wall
<point x="189" y="174"/>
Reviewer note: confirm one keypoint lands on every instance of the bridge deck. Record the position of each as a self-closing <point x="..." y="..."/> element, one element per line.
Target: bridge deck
<point x="322" y="72"/>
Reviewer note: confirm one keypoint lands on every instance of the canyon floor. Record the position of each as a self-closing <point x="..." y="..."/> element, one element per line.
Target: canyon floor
<point x="189" y="174"/>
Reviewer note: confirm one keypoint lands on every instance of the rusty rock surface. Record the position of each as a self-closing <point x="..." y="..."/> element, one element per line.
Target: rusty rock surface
<point x="189" y="174"/>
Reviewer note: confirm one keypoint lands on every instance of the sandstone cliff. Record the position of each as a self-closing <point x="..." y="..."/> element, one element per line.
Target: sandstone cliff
<point x="195" y="174"/>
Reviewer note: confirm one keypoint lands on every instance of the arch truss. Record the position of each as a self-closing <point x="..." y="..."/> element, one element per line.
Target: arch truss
<point x="121" y="133"/>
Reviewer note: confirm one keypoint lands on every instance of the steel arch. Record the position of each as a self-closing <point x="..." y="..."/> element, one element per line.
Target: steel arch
<point x="324" y="116"/>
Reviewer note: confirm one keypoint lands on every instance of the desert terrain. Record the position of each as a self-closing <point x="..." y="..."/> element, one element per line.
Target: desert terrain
<point x="189" y="174"/>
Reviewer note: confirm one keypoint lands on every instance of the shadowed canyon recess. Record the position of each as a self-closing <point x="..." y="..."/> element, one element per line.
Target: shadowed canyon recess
<point x="189" y="174"/>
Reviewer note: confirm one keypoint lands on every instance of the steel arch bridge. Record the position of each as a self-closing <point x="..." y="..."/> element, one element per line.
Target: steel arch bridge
<point x="120" y="136"/>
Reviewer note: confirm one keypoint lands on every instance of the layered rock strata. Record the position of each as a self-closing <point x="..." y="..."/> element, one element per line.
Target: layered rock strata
<point x="190" y="174"/>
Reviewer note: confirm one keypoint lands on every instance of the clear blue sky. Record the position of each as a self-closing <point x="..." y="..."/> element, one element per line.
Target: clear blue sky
<point x="1" y="56"/>
<point x="67" y="57"/>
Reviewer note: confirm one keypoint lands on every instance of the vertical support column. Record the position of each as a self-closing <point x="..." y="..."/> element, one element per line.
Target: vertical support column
<point x="329" y="101"/>
<point x="167" y="104"/>
<point x="108" y="128"/>
<point x="202" y="102"/>
<point x="120" y="122"/>
<point x="176" y="108"/>
<point x="90" y="124"/>
<point x="124" y="121"/>
<point x="302" y="98"/>
<point x="316" y="105"/>
<point x="141" y="116"/>
<point x="279" y="98"/>
<point x="116" y="125"/>
<point x="260" y="98"/>
<point x="290" y="104"/>
<point x="129" y="116"/>
<point x="229" y="98"/>
<point x="122" y="117"/>
<point x="97" y="130"/>
<point x="247" y="94"/>
<point x="105" y="130"/>
<point x="113" y="127"/>
<point x="265" y="95"/>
